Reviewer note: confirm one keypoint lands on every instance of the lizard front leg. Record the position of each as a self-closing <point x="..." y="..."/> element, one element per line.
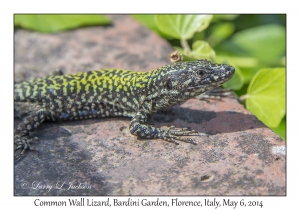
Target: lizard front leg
<point x="32" y="116"/>
<point x="140" y="129"/>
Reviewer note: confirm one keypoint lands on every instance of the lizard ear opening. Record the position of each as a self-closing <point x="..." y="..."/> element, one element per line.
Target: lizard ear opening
<point x="169" y="84"/>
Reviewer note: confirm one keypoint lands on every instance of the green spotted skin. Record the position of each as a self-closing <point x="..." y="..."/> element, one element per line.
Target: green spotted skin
<point x="115" y="92"/>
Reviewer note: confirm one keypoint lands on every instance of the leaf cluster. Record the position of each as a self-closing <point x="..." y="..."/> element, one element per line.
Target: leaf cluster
<point x="254" y="44"/>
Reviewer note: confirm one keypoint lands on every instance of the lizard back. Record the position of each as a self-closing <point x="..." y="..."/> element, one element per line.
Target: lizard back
<point x="99" y="93"/>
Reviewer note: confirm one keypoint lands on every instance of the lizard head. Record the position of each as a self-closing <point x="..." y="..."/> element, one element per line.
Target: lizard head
<point x="196" y="76"/>
<point x="183" y="80"/>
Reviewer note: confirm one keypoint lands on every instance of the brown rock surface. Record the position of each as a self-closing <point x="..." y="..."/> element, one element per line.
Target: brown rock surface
<point x="238" y="156"/>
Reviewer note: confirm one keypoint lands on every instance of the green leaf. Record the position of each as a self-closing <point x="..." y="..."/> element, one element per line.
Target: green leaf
<point x="248" y="74"/>
<point x="281" y="129"/>
<point x="220" y="32"/>
<point x="149" y="22"/>
<point x="201" y="49"/>
<point x="56" y="23"/>
<point x="225" y="17"/>
<point x="266" y="96"/>
<point x="199" y="36"/>
<point x="266" y="42"/>
<point x="182" y="26"/>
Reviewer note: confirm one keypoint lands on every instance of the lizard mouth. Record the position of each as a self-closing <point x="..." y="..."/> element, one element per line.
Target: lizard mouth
<point x="206" y="86"/>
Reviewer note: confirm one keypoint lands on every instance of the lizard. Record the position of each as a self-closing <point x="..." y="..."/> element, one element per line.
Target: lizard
<point x="112" y="93"/>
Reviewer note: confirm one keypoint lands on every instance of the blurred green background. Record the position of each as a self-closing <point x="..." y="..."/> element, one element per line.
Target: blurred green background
<point x="255" y="44"/>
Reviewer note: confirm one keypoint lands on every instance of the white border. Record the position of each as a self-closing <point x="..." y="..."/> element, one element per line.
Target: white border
<point x="128" y="6"/>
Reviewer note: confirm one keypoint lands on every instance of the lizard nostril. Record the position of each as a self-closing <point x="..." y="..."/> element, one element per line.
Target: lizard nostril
<point x="228" y="68"/>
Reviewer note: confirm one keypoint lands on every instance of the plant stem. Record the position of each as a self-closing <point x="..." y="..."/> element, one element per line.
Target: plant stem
<point x="243" y="97"/>
<point x="185" y="45"/>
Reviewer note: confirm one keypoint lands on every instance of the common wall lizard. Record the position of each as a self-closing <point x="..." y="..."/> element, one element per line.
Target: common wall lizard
<point x="114" y="92"/>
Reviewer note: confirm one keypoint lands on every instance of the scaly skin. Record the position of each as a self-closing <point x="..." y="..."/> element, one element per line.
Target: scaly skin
<point x="114" y="92"/>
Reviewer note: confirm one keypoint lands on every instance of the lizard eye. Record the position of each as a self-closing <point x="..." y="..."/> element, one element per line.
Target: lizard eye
<point x="200" y="72"/>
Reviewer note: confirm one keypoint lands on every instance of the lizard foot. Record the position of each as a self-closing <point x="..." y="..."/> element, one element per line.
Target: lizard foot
<point x="22" y="143"/>
<point x="171" y="134"/>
